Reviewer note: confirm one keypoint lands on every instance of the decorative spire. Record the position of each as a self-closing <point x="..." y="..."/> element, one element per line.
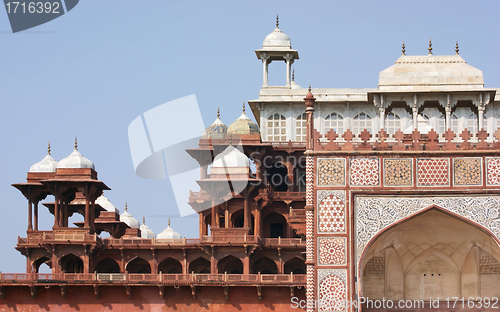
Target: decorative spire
<point x="76" y="144"/>
<point x="309" y="88"/>
<point x="168" y="222"/>
<point x="456" y="48"/>
<point x="243" y="107"/>
<point x="293" y="75"/>
<point x="126" y="207"/>
<point x="48" y="149"/>
<point x="218" y="113"/>
<point x="404" y="50"/>
<point x="143" y="220"/>
<point x="277" y="21"/>
<point x="430" y="47"/>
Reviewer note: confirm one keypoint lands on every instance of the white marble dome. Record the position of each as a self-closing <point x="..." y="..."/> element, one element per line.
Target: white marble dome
<point x="231" y="157"/>
<point x="47" y="164"/>
<point x="75" y="160"/>
<point x="146" y="232"/>
<point x="168" y="233"/>
<point x="106" y="204"/>
<point x="277" y="39"/>
<point x="128" y="219"/>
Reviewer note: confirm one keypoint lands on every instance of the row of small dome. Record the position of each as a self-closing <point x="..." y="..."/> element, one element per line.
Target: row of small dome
<point x="241" y="126"/>
<point x="74" y="160"/>
<point x="128" y="219"/>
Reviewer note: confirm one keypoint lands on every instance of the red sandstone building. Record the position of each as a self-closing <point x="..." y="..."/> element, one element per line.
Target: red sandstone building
<point x="353" y="193"/>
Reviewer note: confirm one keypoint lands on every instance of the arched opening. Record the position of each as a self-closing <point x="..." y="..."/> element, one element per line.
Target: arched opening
<point x="433" y="254"/>
<point x="170" y="266"/>
<point x="208" y="222"/>
<point x="231" y="265"/>
<point x="361" y="122"/>
<point x="238" y="219"/>
<point x="275" y="225"/>
<point x="139" y="265"/>
<point x="41" y="264"/>
<point x="200" y="266"/>
<point x="301" y="128"/>
<point x="276" y="175"/>
<point x="296" y="266"/>
<point x="71" y="264"/>
<point x="334" y="122"/>
<point x="265" y="266"/>
<point x="276" y="128"/>
<point x="107" y="265"/>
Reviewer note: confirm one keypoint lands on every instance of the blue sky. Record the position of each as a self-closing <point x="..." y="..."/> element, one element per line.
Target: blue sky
<point x="92" y="71"/>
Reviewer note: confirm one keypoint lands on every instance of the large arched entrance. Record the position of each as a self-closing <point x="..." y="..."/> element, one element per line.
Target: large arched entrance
<point x="433" y="254"/>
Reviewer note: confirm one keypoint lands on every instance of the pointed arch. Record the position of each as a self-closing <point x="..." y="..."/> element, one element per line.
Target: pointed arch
<point x="230" y="264"/>
<point x="107" y="265"/>
<point x="200" y="265"/>
<point x="71" y="263"/>
<point x="295" y="265"/>
<point x="138" y="265"/>
<point x="265" y="265"/>
<point x="170" y="266"/>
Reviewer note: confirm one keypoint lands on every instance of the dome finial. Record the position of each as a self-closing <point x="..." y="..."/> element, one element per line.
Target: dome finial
<point x="169" y="222"/>
<point x="430" y="47"/>
<point x="126" y="207"/>
<point x="293" y="75"/>
<point x="309" y="88"/>
<point x="76" y="144"/>
<point x="143" y="220"/>
<point x="404" y="50"/>
<point x="48" y="149"/>
<point x="243" y="107"/>
<point x="218" y="113"/>
<point x="277" y="21"/>
<point x="456" y="48"/>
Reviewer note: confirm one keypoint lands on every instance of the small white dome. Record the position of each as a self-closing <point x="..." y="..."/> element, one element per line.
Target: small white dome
<point x="128" y="219"/>
<point x="168" y="233"/>
<point x="75" y="160"/>
<point x="277" y="39"/>
<point x="106" y="204"/>
<point x="231" y="157"/>
<point x="47" y="164"/>
<point x="146" y="232"/>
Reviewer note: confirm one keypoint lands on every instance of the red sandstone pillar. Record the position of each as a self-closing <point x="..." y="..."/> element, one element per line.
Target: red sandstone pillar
<point x="36" y="216"/>
<point x="246" y="263"/>
<point x="30" y="209"/>
<point x="86" y="222"/>
<point x="56" y="209"/>
<point x="246" y="212"/>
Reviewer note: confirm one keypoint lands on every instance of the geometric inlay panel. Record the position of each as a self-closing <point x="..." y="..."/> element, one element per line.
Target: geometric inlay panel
<point x="493" y="171"/>
<point x="331" y="250"/>
<point x="331" y="211"/>
<point x="364" y="172"/>
<point x="398" y="171"/>
<point x="332" y="289"/>
<point x="331" y="171"/>
<point x="467" y="171"/>
<point x="433" y="171"/>
<point x="375" y="213"/>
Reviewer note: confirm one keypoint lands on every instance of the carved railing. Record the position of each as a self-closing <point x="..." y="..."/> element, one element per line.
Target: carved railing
<point x="130" y="241"/>
<point x="174" y="279"/>
<point x="283" y="241"/>
<point x="432" y="141"/>
<point x="228" y="238"/>
<point x="70" y="236"/>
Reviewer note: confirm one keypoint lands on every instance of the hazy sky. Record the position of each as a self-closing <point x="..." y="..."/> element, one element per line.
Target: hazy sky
<point x="92" y="71"/>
